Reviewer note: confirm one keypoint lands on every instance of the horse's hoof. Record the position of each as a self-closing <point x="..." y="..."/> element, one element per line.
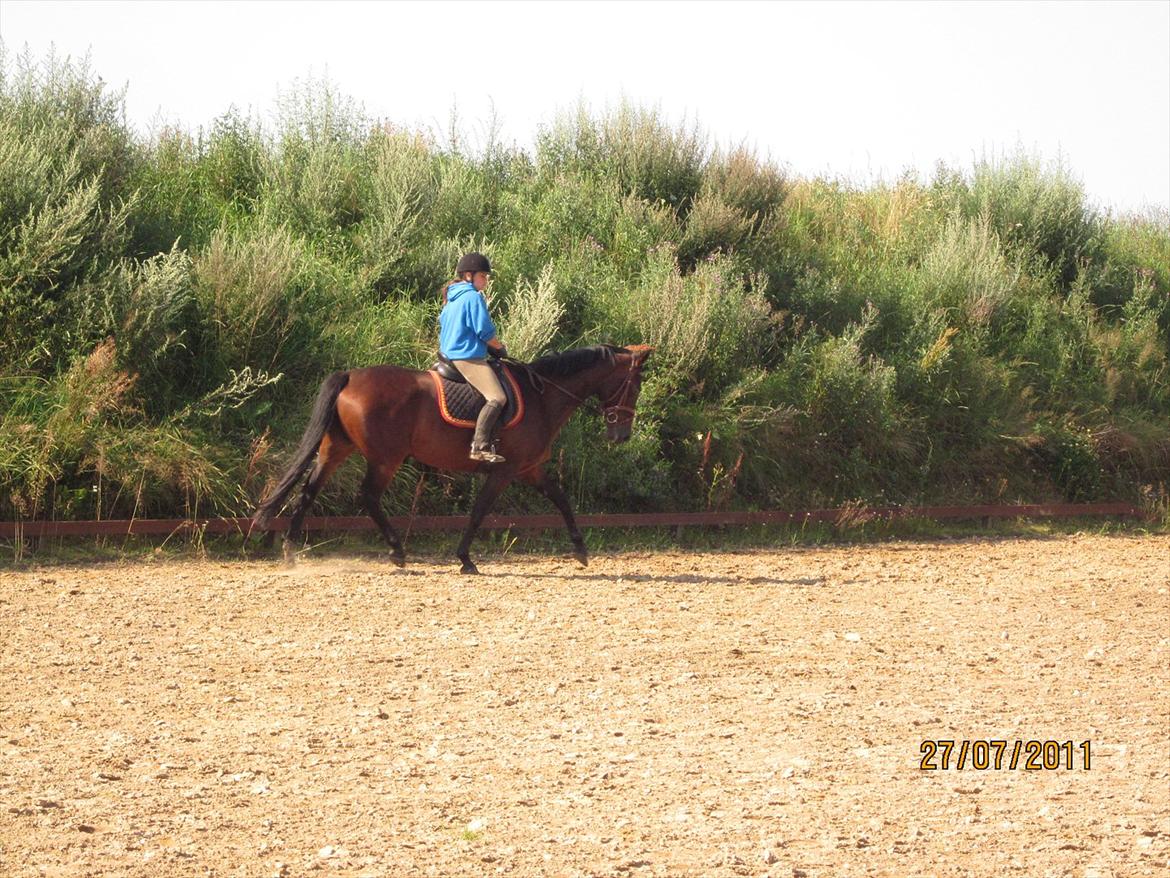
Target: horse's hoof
<point x="582" y="557"/>
<point x="289" y="554"/>
<point x="399" y="559"/>
<point x="469" y="568"/>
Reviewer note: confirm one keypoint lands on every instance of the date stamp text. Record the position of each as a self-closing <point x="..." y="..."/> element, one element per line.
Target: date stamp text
<point x="996" y="755"/>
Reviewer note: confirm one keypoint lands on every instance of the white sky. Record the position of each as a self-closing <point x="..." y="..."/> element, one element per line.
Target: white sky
<point x="837" y="88"/>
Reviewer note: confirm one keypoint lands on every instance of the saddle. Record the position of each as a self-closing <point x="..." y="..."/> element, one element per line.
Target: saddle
<point x="459" y="402"/>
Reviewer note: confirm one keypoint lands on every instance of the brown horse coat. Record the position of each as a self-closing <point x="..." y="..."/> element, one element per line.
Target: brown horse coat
<point x="388" y="413"/>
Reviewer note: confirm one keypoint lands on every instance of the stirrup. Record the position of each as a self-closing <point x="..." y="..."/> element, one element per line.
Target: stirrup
<point x="487" y="455"/>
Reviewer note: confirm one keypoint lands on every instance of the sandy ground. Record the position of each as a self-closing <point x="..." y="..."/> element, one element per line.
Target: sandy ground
<point x="746" y="713"/>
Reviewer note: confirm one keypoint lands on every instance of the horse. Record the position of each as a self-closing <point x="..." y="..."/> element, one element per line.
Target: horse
<point x="388" y="413"/>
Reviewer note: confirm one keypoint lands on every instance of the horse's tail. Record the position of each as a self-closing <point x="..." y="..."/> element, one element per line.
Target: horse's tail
<point x="324" y="411"/>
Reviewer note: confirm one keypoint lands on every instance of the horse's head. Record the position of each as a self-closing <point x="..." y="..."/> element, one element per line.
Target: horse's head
<point x="619" y="392"/>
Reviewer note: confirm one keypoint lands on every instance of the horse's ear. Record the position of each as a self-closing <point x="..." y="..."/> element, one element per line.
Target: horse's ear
<point x="640" y="352"/>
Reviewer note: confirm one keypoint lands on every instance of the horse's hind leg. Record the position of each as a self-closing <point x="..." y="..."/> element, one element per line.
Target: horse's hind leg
<point x="335" y="448"/>
<point x="378" y="477"/>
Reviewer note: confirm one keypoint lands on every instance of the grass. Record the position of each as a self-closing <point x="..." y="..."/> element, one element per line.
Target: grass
<point x="434" y="548"/>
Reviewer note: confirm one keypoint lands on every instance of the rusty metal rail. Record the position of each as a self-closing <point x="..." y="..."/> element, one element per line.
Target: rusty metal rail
<point x="846" y="515"/>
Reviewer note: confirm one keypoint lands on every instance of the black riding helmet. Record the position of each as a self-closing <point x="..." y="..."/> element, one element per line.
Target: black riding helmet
<point x="473" y="262"/>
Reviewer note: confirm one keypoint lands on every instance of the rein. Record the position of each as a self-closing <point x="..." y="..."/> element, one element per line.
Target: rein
<point x="608" y="410"/>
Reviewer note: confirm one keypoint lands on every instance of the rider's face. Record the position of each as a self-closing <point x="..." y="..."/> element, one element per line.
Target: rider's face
<point x="480" y="279"/>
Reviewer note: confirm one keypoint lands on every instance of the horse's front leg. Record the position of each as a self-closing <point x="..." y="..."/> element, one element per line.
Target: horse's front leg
<point x="552" y="489"/>
<point x="488" y="494"/>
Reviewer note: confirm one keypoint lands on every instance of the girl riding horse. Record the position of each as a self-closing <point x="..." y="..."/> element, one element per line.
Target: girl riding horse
<point x="388" y="413"/>
<point x="466" y="334"/>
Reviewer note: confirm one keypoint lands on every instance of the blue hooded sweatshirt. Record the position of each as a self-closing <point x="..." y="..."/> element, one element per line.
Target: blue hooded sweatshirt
<point x="464" y="324"/>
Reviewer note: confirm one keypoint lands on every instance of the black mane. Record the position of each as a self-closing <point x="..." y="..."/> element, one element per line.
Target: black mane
<point x="565" y="363"/>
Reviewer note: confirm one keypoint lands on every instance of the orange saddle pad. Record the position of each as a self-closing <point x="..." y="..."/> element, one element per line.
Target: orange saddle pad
<point x="459" y="403"/>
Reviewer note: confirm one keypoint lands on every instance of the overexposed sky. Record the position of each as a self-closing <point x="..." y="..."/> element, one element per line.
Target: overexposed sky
<point x="856" y="90"/>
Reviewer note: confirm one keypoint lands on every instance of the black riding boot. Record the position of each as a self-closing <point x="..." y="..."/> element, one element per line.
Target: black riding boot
<point x="485" y="426"/>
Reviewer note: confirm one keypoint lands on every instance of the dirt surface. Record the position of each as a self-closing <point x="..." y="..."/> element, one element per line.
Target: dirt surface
<point x="747" y="713"/>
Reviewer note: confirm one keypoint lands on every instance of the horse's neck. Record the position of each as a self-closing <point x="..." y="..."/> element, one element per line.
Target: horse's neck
<point x="582" y="386"/>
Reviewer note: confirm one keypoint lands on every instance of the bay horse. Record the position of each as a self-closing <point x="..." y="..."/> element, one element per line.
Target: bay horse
<point x="389" y="413"/>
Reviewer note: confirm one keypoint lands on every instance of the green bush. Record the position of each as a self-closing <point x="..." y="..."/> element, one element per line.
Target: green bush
<point x="1039" y="209"/>
<point x="63" y="211"/>
<point x="80" y="446"/>
<point x="632" y="146"/>
<point x="170" y="306"/>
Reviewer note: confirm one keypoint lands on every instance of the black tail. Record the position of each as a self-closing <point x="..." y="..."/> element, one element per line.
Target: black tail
<point x="324" y="411"/>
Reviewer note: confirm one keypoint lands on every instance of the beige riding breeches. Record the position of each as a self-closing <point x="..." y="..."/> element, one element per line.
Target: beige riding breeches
<point x="483" y="378"/>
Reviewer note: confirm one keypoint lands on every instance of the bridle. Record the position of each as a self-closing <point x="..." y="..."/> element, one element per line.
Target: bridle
<point x="609" y="410"/>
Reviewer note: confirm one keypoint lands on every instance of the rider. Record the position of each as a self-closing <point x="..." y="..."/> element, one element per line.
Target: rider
<point x="466" y="335"/>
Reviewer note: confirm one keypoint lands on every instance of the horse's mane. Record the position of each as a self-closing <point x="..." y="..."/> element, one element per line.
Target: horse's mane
<point x="565" y="363"/>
